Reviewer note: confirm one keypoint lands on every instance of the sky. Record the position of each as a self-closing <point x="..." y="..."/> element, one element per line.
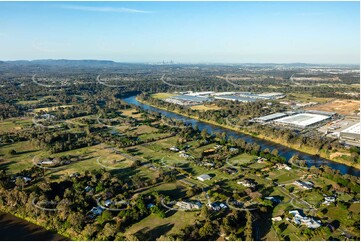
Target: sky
<point x="185" y="32"/>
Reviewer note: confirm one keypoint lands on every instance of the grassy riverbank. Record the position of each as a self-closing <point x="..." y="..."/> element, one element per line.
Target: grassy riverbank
<point x="304" y="149"/>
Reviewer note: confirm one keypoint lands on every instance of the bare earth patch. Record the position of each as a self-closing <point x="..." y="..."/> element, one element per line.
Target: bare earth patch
<point x="337" y="154"/>
<point x="346" y="107"/>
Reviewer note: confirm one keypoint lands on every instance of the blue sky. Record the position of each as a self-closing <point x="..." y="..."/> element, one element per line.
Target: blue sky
<point x="232" y="32"/>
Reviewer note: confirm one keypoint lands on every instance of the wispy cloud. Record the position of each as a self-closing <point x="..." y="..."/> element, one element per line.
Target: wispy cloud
<point x="104" y="9"/>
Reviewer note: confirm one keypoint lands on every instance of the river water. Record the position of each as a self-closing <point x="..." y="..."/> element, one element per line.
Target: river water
<point x="282" y="150"/>
<point x="16" y="229"/>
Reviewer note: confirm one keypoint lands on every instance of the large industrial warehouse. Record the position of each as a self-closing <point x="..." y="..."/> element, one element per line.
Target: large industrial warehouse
<point x="271" y="117"/>
<point x="351" y="134"/>
<point x="302" y="120"/>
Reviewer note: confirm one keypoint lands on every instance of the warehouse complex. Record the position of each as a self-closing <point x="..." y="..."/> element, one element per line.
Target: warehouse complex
<point x="294" y="120"/>
<point x="303" y="120"/>
<point x="194" y="98"/>
<point x="270" y="117"/>
<point x="351" y="134"/>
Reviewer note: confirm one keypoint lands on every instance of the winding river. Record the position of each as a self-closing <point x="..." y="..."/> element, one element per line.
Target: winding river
<point x="283" y="150"/>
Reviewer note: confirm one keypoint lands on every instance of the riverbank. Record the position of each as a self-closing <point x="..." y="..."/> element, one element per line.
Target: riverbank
<point x="17" y="229"/>
<point x="306" y="150"/>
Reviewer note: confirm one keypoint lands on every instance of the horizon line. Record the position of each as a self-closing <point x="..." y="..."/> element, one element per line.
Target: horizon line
<point x="181" y="62"/>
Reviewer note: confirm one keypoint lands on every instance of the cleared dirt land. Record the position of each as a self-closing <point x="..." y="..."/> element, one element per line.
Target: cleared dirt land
<point x="346" y="107"/>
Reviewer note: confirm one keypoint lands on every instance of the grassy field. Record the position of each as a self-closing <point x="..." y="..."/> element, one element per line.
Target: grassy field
<point x="198" y="151"/>
<point x="14" y="124"/>
<point x="284" y="176"/>
<point x="241" y="159"/>
<point x="153" y="224"/>
<point x="206" y="107"/>
<point x="48" y="109"/>
<point x="25" y="152"/>
<point x="305" y="97"/>
<point x="29" y="102"/>
<point x="130" y="113"/>
<point x="163" y="95"/>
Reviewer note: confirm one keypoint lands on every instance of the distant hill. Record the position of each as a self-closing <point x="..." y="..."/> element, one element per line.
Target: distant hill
<point x="63" y="62"/>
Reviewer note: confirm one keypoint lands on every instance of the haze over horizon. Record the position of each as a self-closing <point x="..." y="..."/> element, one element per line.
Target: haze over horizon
<point x="184" y="32"/>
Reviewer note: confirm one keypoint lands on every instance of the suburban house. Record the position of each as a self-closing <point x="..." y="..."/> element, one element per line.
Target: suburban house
<point x="204" y="177"/>
<point x="189" y="205"/>
<point x="175" y="149"/>
<point x="306" y="185"/>
<point x="329" y="200"/>
<point x="283" y="166"/>
<point x="277" y="219"/>
<point x="300" y="219"/>
<point x="96" y="211"/>
<point x="247" y="183"/>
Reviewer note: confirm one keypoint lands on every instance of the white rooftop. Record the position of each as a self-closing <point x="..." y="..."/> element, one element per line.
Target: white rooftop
<point x="271" y="116"/>
<point x="204" y="176"/>
<point x="199" y="93"/>
<point x="354" y="129"/>
<point x="302" y="119"/>
<point x="270" y="94"/>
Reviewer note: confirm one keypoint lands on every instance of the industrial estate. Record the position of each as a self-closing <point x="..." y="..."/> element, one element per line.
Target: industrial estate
<point x="331" y="124"/>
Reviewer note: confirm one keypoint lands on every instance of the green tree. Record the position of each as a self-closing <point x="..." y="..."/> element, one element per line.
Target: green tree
<point x="12" y="152"/>
<point x="20" y="182"/>
<point x="248" y="230"/>
<point x="205" y="213"/>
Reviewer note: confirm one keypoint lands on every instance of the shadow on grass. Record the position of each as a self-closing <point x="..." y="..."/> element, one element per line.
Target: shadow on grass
<point x="158" y="231"/>
<point x="177" y="193"/>
<point x="5" y="166"/>
<point x="146" y="234"/>
<point x="170" y="213"/>
<point x="26" y="152"/>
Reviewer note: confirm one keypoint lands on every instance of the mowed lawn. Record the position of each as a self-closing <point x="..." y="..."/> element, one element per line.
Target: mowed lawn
<point x="169" y="225"/>
<point x="241" y="159"/>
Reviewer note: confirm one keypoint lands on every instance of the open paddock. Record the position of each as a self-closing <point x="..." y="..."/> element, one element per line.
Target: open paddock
<point x="242" y="159"/>
<point x="305" y="97"/>
<point x="163" y="95"/>
<point x="14" y="124"/>
<point x="49" y="109"/>
<point x="132" y="113"/>
<point x="171" y="224"/>
<point x="205" y="107"/>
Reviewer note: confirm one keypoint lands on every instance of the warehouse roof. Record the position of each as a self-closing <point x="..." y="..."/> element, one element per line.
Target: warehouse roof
<point x="354" y="129"/>
<point x="303" y="119"/>
<point x="271" y="116"/>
